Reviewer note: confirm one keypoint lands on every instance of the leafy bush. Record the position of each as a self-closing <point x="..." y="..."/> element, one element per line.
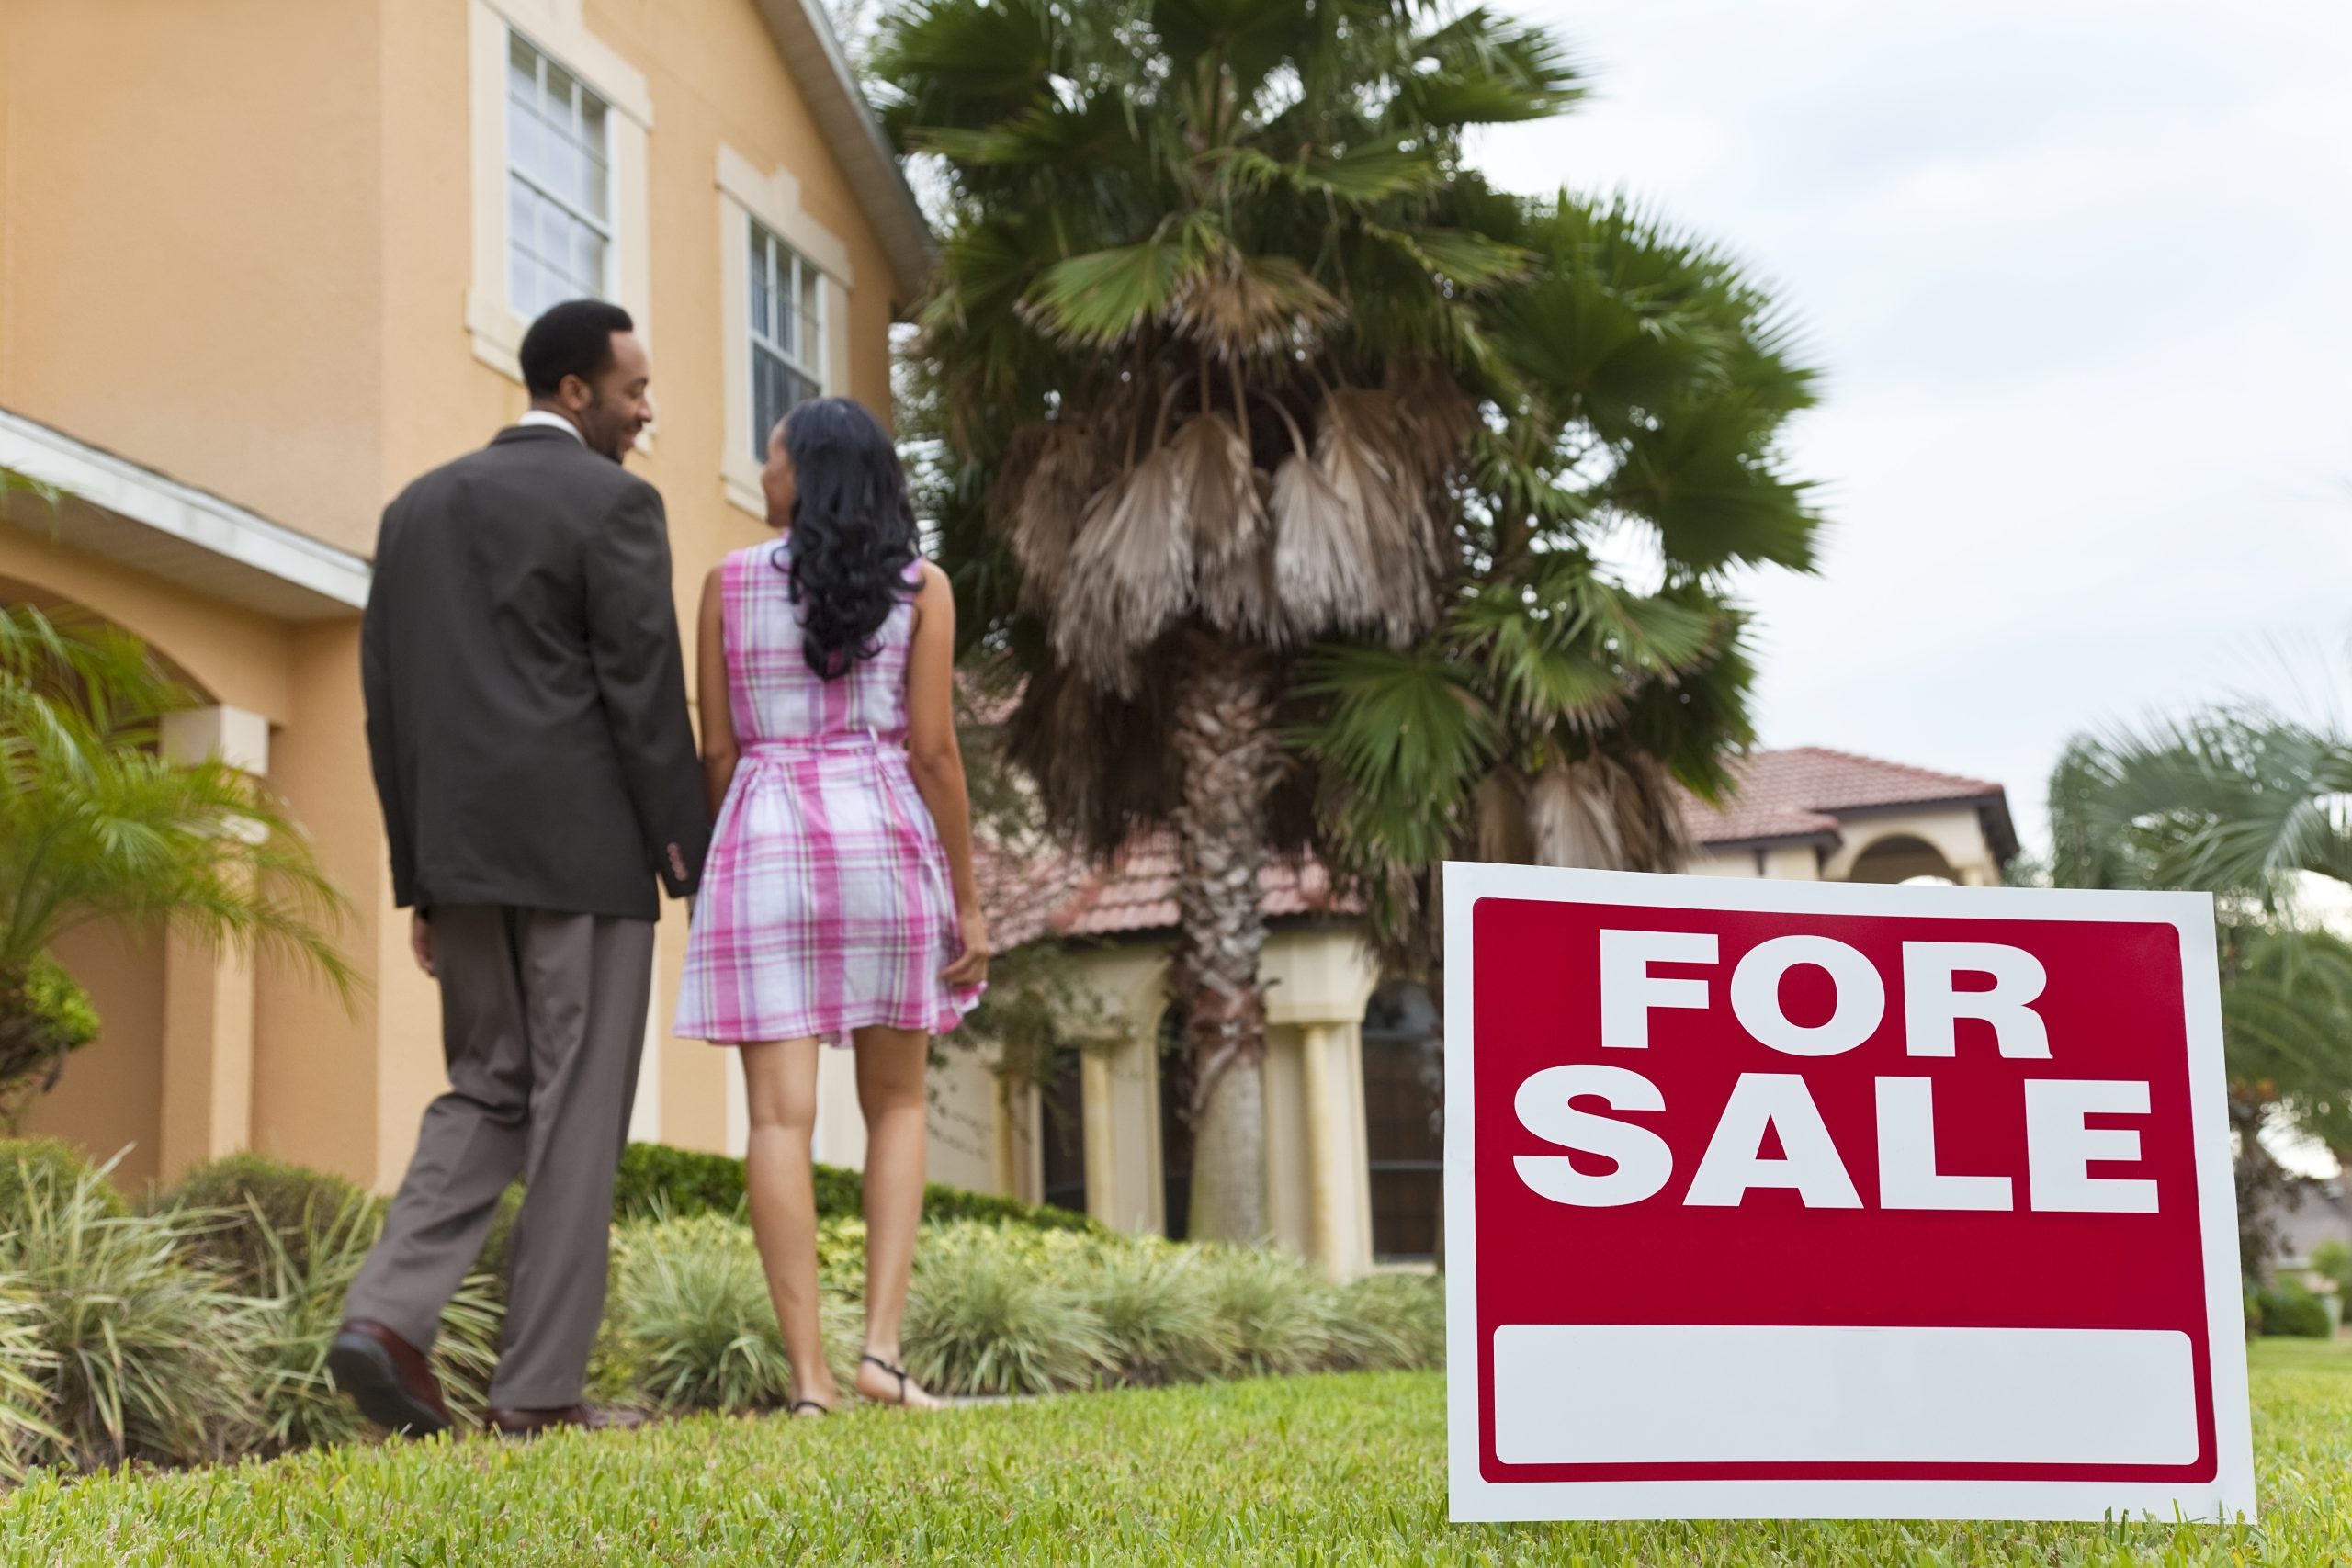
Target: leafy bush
<point x="2290" y="1309"/>
<point x="1385" y="1321"/>
<point x="981" y="1320"/>
<point x="47" y="1167"/>
<point x="142" y="1353"/>
<point x="259" y="1208"/>
<point x="1277" y="1310"/>
<point x="657" y="1181"/>
<point x="303" y="1273"/>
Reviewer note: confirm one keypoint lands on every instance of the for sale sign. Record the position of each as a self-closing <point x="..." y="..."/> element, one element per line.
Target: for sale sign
<point x="1770" y="1199"/>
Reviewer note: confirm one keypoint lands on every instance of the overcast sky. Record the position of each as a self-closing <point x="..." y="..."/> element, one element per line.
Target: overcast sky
<point x="2080" y="274"/>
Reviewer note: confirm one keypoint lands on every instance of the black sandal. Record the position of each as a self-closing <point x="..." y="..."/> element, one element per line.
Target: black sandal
<point x="898" y="1372"/>
<point x="797" y="1405"/>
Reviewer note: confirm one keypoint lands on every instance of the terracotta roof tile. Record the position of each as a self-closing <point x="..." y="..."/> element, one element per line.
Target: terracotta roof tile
<point x="1798" y="792"/>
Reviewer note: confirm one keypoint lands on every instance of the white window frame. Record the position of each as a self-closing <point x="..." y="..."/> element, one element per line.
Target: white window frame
<point x="793" y="277"/>
<point x="602" y="227"/>
<point x="772" y="201"/>
<point x="557" y="30"/>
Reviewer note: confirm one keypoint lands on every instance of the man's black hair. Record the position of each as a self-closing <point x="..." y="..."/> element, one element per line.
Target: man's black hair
<point x="574" y="338"/>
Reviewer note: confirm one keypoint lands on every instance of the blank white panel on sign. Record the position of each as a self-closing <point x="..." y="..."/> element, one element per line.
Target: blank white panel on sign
<point x="1642" y="1394"/>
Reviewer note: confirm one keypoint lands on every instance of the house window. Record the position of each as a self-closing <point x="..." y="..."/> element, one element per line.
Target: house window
<point x="559" y="185"/>
<point x="1406" y="1154"/>
<point x="787" y="322"/>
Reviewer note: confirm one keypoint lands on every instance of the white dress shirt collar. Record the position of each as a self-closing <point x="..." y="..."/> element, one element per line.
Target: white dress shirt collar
<point x="554" y="422"/>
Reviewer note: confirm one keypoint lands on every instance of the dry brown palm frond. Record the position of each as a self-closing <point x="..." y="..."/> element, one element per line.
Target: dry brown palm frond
<point x="1245" y="306"/>
<point x="1044" y="499"/>
<point x="1606" y="813"/>
<point x="1129" y="574"/>
<point x="1217" y="497"/>
<point x="1499" y="819"/>
<point x="1320" y="551"/>
<point x="1357" y="453"/>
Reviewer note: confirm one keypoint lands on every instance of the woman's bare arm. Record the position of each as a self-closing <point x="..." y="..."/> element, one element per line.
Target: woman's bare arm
<point x="719" y="749"/>
<point x="937" y="762"/>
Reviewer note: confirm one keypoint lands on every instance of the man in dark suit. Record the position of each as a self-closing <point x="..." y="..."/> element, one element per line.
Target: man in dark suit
<point x="527" y="717"/>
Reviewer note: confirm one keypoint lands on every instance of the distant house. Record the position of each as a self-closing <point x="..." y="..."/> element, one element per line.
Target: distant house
<point x="1352" y="1159"/>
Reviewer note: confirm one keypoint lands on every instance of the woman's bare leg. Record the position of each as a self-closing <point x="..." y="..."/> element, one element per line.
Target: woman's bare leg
<point x="780" y="1090"/>
<point x="891" y="1091"/>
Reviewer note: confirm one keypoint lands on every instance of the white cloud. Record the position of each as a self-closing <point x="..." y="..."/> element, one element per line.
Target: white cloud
<point x="2074" y="269"/>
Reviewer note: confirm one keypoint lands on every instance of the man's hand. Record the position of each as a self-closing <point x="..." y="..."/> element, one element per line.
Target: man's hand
<point x="420" y="939"/>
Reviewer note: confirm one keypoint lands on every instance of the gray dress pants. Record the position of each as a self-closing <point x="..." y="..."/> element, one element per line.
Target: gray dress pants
<point x="543" y="1019"/>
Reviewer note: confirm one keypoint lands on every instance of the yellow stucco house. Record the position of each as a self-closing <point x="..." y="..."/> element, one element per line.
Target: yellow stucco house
<point x="264" y="261"/>
<point x="1352" y="1159"/>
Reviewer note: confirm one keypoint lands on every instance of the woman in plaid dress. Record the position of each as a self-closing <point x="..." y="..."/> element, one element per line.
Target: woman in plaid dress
<point x="837" y="905"/>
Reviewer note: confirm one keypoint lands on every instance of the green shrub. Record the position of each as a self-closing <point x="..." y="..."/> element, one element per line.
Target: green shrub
<point x="1385" y="1321"/>
<point x="2290" y="1309"/>
<point x="144" y="1354"/>
<point x="1275" y="1308"/>
<point x="1154" y="1305"/>
<point x="694" y="1323"/>
<point x="2333" y="1259"/>
<point x="657" y="1181"/>
<point x="50" y="1168"/>
<point x="259" y="1208"/>
<point x="982" y="1320"/>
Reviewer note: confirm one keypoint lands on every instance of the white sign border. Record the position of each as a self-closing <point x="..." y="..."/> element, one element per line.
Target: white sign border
<point x="1473" y="1498"/>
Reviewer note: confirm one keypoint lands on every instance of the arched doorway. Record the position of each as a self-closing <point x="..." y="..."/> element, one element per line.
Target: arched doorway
<point x="109" y="1096"/>
<point x="1902" y="858"/>
<point x="1402" y="1143"/>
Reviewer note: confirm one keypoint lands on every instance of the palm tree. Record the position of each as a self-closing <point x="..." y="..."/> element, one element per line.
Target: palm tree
<point x="1210" y="329"/>
<point x="2242" y="802"/>
<point x="1280" y="444"/>
<point x="95" y="825"/>
<point x="1549" y="716"/>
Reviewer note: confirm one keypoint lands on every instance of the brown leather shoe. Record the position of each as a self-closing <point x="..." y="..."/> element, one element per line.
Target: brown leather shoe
<point x="388" y="1378"/>
<point x="590" y="1418"/>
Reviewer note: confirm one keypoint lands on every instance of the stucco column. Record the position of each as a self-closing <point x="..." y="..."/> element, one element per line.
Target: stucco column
<point x="1102" y="1138"/>
<point x="207" y="1099"/>
<point x="1339" y="1196"/>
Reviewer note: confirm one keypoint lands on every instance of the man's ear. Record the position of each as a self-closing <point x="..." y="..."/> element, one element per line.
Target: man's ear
<point x="574" y="393"/>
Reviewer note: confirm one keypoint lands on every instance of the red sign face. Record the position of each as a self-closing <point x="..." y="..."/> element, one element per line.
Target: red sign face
<point x="1837" y="1200"/>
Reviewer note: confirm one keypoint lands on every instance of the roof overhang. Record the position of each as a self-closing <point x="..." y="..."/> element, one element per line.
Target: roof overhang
<point x="1991" y="811"/>
<point x="805" y="38"/>
<point x="111" y="507"/>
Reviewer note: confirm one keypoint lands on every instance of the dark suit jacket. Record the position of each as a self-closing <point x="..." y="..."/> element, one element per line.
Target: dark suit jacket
<point x="527" y="700"/>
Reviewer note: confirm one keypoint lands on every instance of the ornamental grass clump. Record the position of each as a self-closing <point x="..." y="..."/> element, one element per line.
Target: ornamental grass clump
<point x="1279" y="1314"/>
<point x="694" y="1323"/>
<point x="1390" y="1321"/>
<point x="141" y="1353"/>
<point x="1154" y="1304"/>
<point x="982" y="1320"/>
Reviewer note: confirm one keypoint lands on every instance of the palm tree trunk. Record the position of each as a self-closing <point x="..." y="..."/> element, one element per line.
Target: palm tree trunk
<point x="1224" y="739"/>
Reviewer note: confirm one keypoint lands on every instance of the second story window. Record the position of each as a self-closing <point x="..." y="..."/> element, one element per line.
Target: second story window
<point x="559" y="185"/>
<point x="788" y="335"/>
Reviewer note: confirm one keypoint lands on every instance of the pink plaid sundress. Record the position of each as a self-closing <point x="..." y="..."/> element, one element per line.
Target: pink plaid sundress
<point x="825" y="905"/>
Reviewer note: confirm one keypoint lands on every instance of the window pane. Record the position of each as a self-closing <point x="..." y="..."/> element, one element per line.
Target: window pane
<point x="524" y="136"/>
<point x="810" y="351"/>
<point x="563" y="96"/>
<point x="759" y="262"/>
<point x="521" y="67"/>
<point x="593" y="183"/>
<point x="588" y="259"/>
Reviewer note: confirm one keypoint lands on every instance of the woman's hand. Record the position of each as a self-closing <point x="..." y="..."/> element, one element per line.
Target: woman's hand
<point x="971" y="966"/>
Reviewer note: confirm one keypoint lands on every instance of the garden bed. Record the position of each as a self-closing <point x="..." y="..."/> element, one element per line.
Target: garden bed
<point x="1334" y="1470"/>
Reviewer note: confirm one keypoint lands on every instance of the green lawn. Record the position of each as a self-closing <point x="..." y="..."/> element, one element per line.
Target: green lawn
<point x="1327" y="1469"/>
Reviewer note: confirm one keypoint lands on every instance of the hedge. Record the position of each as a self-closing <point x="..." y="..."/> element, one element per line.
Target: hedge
<point x="656" y="1180"/>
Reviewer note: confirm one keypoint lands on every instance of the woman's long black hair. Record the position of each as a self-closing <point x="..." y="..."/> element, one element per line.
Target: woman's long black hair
<point x="852" y="532"/>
